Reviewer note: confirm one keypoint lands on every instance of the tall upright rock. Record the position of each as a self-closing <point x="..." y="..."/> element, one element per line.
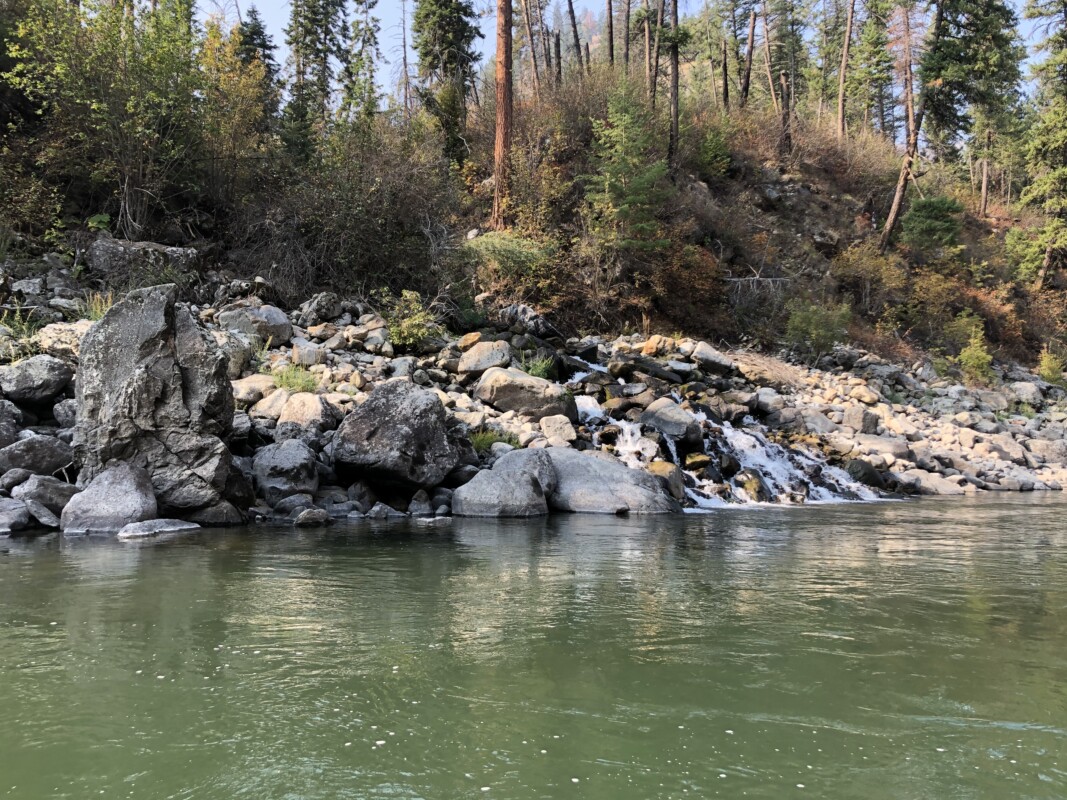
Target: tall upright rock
<point x="152" y="391"/>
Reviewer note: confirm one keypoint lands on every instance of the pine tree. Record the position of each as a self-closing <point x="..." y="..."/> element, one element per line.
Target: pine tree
<point x="1047" y="153"/>
<point x="254" y="45"/>
<point x="871" y="81"/>
<point x="360" y="92"/>
<point x="317" y="35"/>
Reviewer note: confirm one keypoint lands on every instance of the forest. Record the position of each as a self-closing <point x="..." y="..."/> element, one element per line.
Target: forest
<point x="766" y="172"/>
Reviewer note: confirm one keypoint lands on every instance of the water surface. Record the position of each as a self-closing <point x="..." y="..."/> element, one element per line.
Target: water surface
<point x="904" y="650"/>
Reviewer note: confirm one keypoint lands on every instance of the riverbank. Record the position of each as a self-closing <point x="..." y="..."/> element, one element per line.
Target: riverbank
<point x="168" y="414"/>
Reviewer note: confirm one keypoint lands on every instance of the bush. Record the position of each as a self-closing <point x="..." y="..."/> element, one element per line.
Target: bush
<point x="296" y="379"/>
<point x="870" y="276"/>
<point x="410" y="321"/>
<point x="1025" y="251"/>
<point x="503" y="260"/>
<point x="539" y="367"/>
<point x="932" y="222"/>
<point x="714" y="158"/>
<point x="815" y="327"/>
<point x="975" y="361"/>
<point x="1050" y="366"/>
<point x="485" y="438"/>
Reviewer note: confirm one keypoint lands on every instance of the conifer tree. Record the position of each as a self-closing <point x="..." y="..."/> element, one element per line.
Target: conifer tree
<point x="360" y="95"/>
<point x="255" y="44"/>
<point x="871" y="81"/>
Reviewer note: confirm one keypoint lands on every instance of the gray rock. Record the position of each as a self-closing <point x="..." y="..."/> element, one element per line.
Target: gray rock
<point x="592" y="484"/>
<point x="65" y="413"/>
<point x="863" y="472"/>
<point x="237" y="348"/>
<point x="107" y="256"/>
<point x="485" y="355"/>
<point x="1027" y="392"/>
<point x="558" y="428"/>
<point x="861" y="420"/>
<point x="711" y="359"/>
<point x="382" y="511"/>
<point x="250" y="317"/>
<point x="305" y="416"/>
<point x="400" y="434"/>
<point x="41" y="455"/>
<point x="284" y="469"/>
<point x="420" y="505"/>
<point x="156" y="527"/>
<point x="10" y="423"/>
<point x="35" y="380"/>
<point x="312" y="518"/>
<point x="517" y="486"/>
<point x="294" y="501"/>
<point x="670" y="419"/>
<point x="52" y="493"/>
<point x="113" y="499"/>
<point x="41" y="514"/>
<point x="62" y="339"/>
<point x="513" y="390"/>
<point x="14" y="516"/>
<point x="931" y="482"/>
<point x="152" y="391"/>
<point x="14" y="477"/>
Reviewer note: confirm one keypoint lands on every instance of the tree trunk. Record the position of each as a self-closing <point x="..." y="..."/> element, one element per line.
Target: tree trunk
<point x="915" y="125"/>
<point x="655" y="54"/>
<point x="574" y="32"/>
<point x="785" y="143"/>
<point x="546" y="37"/>
<point x="502" y="147"/>
<point x="909" y="81"/>
<point x="626" y="34"/>
<point x="558" y="43"/>
<point x="610" y="33"/>
<point x="725" y="76"/>
<point x="843" y="74"/>
<point x="588" y="60"/>
<point x="533" y="48"/>
<point x="746" y="76"/>
<point x="648" y="48"/>
<point x="767" y="58"/>
<point x="1046" y="267"/>
<point x="672" y="142"/>
<point x="985" y="172"/>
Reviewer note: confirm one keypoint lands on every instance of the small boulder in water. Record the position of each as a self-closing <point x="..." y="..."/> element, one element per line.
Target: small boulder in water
<point x="119" y="495"/>
<point x="753" y="485"/>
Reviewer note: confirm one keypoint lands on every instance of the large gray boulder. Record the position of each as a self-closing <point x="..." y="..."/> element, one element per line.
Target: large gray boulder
<point x="107" y="256"/>
<point x="41" y="455"/>
<point x="513" y="390"/>
<point x="52" y="493"/>
<point x="670" y="419"/>
<point x="254" y="318"/>
<point x="485" y="355"/>
<point x="284" y="469"/>
<point x="10" y="423"/>
<point x="14" y="516"/>
<point x="152" y="391"/>
<point x="400" y="434"/>
<point x="596" y="484"/>
<point x="516" y="486"/>
<point x="113" y="499"/>
<point x="35" y="380"/>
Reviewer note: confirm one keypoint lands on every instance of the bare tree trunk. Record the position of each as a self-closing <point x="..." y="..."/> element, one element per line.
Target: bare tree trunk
<point x="610" y="33"/>
<point x="767" y="57"/>
<point x="588" y="60"/>
<point x="546" y="37"/>
<point x="1046" y="267"/>
<point x="648" y="48"/>
<point x="785" y="144"/>
<point x="655" y="54"/>
<point x="672" y="142"/>
<point x="574" y="32"/>
<point x="406" y="78"/>
<point x="558" y="42"/>
<point x="985" y="172"/>
<point x="626" y="33"/>
<point x="502" y="146"/>
<point x="533" y="48"/>
<point x="746" y="76"/>
<point x="909" y="82"/>
<point x="725" y="76"/>
<point x="843" y="74"/>
<point x="916" y="121"/>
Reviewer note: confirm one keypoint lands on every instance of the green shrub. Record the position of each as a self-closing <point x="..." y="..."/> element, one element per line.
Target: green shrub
<point x="22" y="323"/>
<point x="1050" y="367"/>
<point x="513" y="258"/>
<point x="932" y="222"/>
<point x="714" y="158"/>
<point x="814" y="328"/>
<point x="96" y="304"/>
<point x="975" y="362"/>
<point x="296" y="379"/>
<point x="539" y="367"/>
<point x="410" y="321"/>
<point x="485" y="438"/>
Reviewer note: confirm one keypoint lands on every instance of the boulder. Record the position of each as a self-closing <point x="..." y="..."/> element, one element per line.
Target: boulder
<point x="114" y="498"/>
<point x="672" y="477"/>
<point x="249" y="391"/>
<point x="595" y="484"/>
<point x="516" y="486"/>
<point x="41" y="455"/>
<point x="1028" y="393"/>
<point x="252" y="317"/>
<point x="237" y="348"/>
<point x="35" y="380"/>
<point x="670" y="419"/>
<point x="285" y="469"/>
<point x="312" y="518"/>
<point x="513" y="390"/>
<point x="62" y="339"/>
<point x="14" y="516"/>
<point x="52" y="493"/>
<point x="751" y="482"/>
<point x="711" y="359"/>
<point x="558" y="429"/>
<point x="400" y="434"/>
<point x="152" y="391"/>
<point x="156" y="527"/>
<point x="107" y="256"/>
<point x="864" y="472"/>
<point x="865" y="395"/>
<point x="305" y="416"/>
<point x="483" y="356"/>
<point x="930" y="482"/>
<point x="10" y="423"/>
<point x="861" y="420"/>
<point x="65" y="413"/>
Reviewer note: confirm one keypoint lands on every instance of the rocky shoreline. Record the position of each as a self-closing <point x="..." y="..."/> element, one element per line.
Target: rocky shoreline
<point x="166" y="416"/>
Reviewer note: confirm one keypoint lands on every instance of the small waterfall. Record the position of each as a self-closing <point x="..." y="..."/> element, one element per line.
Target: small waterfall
<point x="633" y="449"/>
<point x="589" y="410"/>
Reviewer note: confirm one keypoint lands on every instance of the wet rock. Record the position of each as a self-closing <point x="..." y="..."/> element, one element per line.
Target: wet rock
<point x="114" y="498"/>
<point x="483" y="356"/>
<point x="313" y="518"/>
<point x="381" y="511"/>
<point x="672" y="477"/>
<point x="420" y="505"/>
<point x="41" y="455"/>
<point x="864" y="472"/>
<point x="152" y="391"/>
<point x="52" y="493"/>
<point x="35" y="380"/>
<point x="930" y="482"/>
<point x="401" y="435"/>
<point x="156" y="527"/>
<point x="753" y="485"/>
<point x="513" y="390"/>
<point x="284" y="469"/>
<point x="670" y="419"/>
<point x="42" y="515"/>
<point x="594" y="484"/>
<point x="14" y="516"/>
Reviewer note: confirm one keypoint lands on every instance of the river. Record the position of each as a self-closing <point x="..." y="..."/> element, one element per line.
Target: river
<point x="884" y="652"/>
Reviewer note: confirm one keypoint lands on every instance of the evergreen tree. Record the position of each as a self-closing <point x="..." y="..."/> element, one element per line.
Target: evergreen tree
<point x="317" y="35"/>
<point x="254" y="45"/>
<point x="871" y="80"/>
<point x="361" y="96"/>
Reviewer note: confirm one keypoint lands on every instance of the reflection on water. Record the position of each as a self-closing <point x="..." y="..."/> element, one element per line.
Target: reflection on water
<point x="907" y="650"/>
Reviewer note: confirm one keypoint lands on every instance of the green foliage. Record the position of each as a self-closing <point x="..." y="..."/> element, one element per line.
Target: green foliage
<point x="506" y="257"/>
<point x="873" y="278"/>
<point x="96" y="304"/>
<point x="484" y="438"/>
<point x="296" y="379"/>
<point x="630" y="185"/>
<point x="715" y="158"/>
<point x="22" y="322"/>
<point x="975" y="361"/>
<point x="932" y="222"/>
<point x="539" y="367"/>
<point x="410" y="322"/>
<point x="815" y="327"/>
<point x="98" y="222"/>
<point x="1050" y="366"/>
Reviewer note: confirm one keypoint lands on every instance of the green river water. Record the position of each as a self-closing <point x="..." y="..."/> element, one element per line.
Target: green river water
<point x="892" y="651"/>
